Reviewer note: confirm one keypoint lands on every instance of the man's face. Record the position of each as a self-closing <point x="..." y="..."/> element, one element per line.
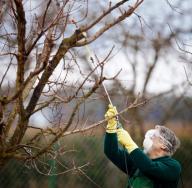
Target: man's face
<point x="152" y="141"/>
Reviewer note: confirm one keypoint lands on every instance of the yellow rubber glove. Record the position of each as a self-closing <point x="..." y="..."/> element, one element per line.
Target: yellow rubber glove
<point x="125" y="140"/>
<point x="111" y="119"/>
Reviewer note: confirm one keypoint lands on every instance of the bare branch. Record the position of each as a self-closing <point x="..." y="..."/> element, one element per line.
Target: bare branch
<point x="105" y="13"/>
<point x="126" y="14"/>
<point x="190" y="82"/>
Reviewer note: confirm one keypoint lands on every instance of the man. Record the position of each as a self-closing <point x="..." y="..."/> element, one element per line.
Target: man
<point x="151" y="167"/>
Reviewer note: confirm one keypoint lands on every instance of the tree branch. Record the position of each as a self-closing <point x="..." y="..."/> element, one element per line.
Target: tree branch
<point x="107" y="26"/>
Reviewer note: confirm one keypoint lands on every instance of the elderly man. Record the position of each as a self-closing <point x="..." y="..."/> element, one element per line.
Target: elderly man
<point x="150" y="167"/>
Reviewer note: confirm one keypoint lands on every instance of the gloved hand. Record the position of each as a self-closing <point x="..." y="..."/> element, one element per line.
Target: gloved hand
<point x="112" y="122"/>
<point x="125" y="140"/>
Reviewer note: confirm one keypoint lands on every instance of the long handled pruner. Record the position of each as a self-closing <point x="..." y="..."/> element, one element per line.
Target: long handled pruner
<point x="92" y="57"/>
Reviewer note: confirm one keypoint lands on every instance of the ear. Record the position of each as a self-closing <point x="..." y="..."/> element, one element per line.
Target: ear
<point x="163" y="147"/>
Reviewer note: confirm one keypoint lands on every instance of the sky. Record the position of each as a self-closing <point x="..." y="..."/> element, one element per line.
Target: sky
<point x="165" y="76"/>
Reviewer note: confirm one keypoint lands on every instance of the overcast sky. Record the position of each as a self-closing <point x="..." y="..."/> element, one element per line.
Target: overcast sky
<point x="164" y="77"/>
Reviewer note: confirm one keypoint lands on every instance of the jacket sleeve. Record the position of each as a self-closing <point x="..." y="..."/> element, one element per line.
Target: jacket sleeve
<point x="168" y="170"/>
<point x="117" y="155"/>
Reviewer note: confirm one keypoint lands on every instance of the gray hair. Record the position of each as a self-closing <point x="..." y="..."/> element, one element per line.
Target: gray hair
<point x="169" y="138"/>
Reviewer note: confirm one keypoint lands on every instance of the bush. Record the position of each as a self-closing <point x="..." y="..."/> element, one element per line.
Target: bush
<point x="101" y="171"/>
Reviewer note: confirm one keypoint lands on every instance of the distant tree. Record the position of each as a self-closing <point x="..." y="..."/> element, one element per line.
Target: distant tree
<point x="145" y="44"/>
